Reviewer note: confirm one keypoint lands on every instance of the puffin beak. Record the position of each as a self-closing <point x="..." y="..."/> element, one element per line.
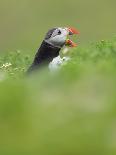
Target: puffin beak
<point x="70" y="43"/>
<point x="71" y="31"/>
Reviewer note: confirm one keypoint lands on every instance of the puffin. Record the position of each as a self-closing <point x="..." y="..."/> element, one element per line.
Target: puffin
<point x="54" y="40"/>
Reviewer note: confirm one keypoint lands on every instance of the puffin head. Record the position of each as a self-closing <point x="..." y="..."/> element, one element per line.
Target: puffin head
<point x="58" y="37"/>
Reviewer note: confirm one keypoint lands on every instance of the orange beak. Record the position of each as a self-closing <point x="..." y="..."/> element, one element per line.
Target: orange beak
<point x="69" y="42"/>
<point x="73" y="31"/>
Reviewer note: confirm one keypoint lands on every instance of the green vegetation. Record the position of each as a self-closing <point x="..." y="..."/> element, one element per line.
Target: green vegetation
<point x="68" y="113"/>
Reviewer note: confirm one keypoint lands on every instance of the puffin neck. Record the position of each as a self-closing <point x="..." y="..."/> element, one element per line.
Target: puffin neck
<point x="46" y="52"/>
<point x="44" y="55"/>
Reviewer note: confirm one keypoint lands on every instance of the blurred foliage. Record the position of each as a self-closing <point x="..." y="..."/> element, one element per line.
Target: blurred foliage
<point x="72" y="112"/>
<point x="23" y="23"/>
<point x="68" y="113"/>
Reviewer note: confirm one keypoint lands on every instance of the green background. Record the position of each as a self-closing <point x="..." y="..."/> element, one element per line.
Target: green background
<point x="23" y="23"/>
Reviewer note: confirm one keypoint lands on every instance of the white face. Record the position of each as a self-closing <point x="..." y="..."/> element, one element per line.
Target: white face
<point x="58" y="37"/>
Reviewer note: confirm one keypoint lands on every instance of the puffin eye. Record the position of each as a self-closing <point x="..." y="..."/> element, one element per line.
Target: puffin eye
<point x="59" y="32"/>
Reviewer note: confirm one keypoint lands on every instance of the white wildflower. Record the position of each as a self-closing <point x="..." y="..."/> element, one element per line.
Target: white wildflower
<point x="6" y="65"/>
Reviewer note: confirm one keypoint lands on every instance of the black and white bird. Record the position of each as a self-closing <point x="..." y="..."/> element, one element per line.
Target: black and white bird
<point x="54" y="40"/>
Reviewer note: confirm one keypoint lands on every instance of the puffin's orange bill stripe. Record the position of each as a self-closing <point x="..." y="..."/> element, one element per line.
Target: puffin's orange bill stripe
<point x="70" y="43"/>
<point x="73" y="30"/>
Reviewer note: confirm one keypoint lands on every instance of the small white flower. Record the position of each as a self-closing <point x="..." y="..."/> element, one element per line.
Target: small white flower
<point x="6" y="65"/>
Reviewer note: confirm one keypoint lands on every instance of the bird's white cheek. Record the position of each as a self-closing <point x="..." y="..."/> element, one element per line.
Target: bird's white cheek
<point x="59" y="40"/>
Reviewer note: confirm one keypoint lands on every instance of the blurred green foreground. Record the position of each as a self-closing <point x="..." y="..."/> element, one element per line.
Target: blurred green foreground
<point x="72" y="112"/>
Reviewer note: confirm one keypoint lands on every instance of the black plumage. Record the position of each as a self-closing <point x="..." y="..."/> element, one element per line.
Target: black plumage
<point x="44" y="56"/>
